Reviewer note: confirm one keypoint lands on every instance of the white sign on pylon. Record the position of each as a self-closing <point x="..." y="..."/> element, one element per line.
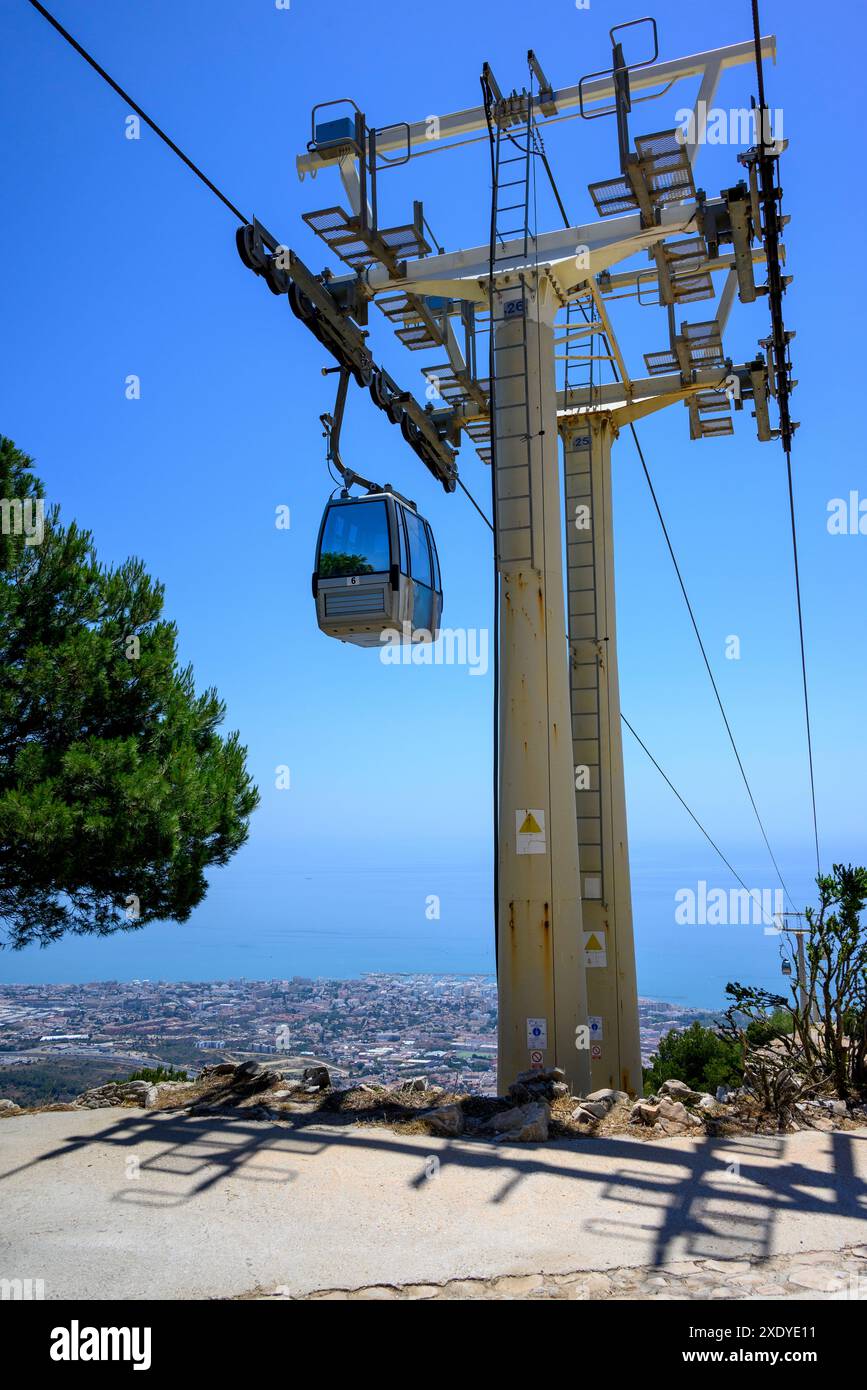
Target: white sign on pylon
<point x="595" y="949"/>
<point x="530" y="832"/>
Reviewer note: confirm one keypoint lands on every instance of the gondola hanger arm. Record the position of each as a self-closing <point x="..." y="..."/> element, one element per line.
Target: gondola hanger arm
<point x="332" y="425"/>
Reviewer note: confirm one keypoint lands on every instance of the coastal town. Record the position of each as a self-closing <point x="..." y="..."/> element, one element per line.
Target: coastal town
<point x="378" y="1029"/>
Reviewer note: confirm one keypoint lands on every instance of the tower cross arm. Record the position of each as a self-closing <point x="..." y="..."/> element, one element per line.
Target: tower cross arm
<point x="436" y="128"/>
<point x="570" y="255"/>
<point x="625" y="402"/>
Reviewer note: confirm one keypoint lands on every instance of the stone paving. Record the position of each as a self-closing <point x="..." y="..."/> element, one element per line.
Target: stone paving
<point x="822" y="1274"/>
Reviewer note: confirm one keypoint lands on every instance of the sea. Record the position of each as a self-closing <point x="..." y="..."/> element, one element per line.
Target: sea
<point x="321" y="921"/>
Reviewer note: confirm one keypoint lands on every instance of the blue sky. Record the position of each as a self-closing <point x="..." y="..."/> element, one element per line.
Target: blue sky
<point x="115" y="260"/>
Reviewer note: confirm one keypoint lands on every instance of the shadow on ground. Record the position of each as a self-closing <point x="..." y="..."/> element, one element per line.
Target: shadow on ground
<point x="700" y="1199"/>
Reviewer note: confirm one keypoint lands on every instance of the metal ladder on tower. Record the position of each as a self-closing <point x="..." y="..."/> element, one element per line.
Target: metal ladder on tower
<point x="586" y="643"/>
<point x="511" y="236"/>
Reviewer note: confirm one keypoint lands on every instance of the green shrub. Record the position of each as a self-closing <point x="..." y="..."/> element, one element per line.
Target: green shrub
<point x="778" y="1024"/>
<point x="155" y="1074"/>
<point x="696" y="1055"/>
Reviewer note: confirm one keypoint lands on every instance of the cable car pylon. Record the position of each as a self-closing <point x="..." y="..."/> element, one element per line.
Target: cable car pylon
<point x="652" y="199"/>
<point x="566" y="959"/>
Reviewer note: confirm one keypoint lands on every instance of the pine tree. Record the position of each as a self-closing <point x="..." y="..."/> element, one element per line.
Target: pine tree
<point x="116" y="791"/>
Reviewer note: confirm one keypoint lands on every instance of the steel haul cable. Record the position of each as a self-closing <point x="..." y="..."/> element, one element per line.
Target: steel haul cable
<point x="691" y="813"/>
<point x="236" y="212"/>
<point x="770" y="198"/>
<point x="88" y="58"/>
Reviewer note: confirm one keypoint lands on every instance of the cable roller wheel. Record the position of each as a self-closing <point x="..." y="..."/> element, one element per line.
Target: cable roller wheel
<point x="363" y="375"/>
<point x="244" y="242"/>
<point x="410" y="430"/>
<point x="275" y="278"/>
<point x="302" y="307"/>
<point x="378" y="393"/>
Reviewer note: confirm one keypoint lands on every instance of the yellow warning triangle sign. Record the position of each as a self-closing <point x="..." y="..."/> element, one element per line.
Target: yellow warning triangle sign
<point x="530" y="826"/>
<point x="593" y="944"/>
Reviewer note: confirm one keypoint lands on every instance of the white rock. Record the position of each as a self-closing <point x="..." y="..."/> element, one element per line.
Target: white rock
<point x="678" y="1090"/>
<point x="597" y="1108"/>
<point x="447" y="1120"/>
<point x="411" y="1084"/>
<point x="673" y="1112"/>
<point x="523" y="1122"/>
<point x="534" y="1130"/>
<point x="583" y="1116"/>
<point x="643" y="1113"/>
<point x="609" y="1096"/>
<point x="820" y="1281"/>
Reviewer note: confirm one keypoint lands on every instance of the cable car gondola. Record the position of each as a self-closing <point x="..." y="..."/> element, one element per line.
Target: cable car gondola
<point x="377" y="571"/>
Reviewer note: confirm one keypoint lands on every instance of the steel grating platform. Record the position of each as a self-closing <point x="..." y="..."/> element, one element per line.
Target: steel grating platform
<point x="358" y="247"/>
<point x="662" y="168"/>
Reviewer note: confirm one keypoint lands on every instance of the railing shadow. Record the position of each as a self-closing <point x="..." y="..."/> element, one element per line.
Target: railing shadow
<point x="707" y="1198"/>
